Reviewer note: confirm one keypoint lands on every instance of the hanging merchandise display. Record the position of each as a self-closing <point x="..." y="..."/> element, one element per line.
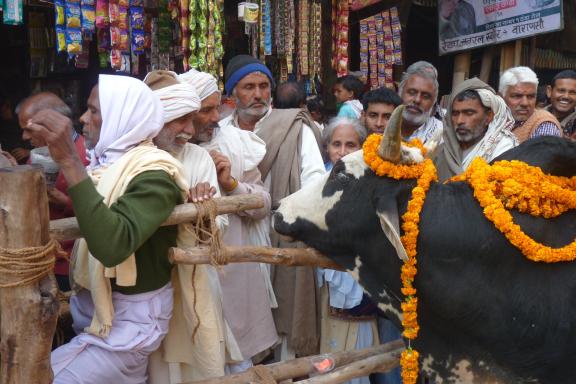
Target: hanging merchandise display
<point x="380" y="48"/>
<point x="303" y="36"/>
<point x="205" y="28"/>
<point x="340" y="36"/>
<point x="315" y="46"/>
<point x="13" y="13"/>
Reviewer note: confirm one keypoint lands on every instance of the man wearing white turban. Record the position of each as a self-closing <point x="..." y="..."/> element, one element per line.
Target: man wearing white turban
<point x="123" y="301"/>
<point x="247" y="294"/>
<point x="198" y="338"/>
<point x="477" y="124"/>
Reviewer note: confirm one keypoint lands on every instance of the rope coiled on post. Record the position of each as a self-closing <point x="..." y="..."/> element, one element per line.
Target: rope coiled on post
<point x="23" y="266"/>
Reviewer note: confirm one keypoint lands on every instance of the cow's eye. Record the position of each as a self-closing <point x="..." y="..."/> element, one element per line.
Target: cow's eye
<point x="342" y="178"/>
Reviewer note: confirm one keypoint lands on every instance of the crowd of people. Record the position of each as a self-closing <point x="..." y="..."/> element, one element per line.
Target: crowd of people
<point x="147" y="146"/>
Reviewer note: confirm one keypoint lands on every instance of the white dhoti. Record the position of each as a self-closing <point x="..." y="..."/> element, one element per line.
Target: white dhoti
<point x="140" y="323"/>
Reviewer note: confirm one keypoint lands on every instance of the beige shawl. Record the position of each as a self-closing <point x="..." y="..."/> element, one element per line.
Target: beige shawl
<point x="111" y="183"/>
<point x="296" y="315"/>
<point x="539" y="116"/>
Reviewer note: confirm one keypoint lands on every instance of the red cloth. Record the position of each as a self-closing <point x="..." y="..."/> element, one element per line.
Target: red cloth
<point x="59" y="212"/>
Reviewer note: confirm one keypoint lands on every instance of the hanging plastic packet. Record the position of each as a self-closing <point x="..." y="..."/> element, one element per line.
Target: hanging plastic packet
<point x="103" y="40"/>
<point x="60" y="39"/>
<point x="102" y="14"/>
<point x="136" y="3"/>
<point x="103" y="59"/>
<point x="124" y="3"/>
<point x="124" y="41"/>
<point x="88" y="19"/>
<point x="138" y="41"/>
<point x="137" y="18"/>
<point x="13" y="12"/>
<point x="115" y="59"/>
<point x="73" y="15"/>
<point x="122" y="22"/>
<point x="59" y="13"/>
<point x="73" y="41"/>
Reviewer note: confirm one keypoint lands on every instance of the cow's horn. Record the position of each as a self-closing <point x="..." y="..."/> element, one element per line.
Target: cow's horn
<point x="389" y="148"/>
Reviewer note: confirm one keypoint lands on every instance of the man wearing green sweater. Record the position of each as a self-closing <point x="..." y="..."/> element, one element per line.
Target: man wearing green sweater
<point x="123" y="300"/>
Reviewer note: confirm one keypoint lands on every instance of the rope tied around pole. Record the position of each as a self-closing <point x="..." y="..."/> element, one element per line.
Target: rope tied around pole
<point x="23" y="266"/>
<point x="207" y="231"/>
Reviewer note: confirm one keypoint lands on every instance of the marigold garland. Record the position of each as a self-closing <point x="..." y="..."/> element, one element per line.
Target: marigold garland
<point x="514" y="184"/>
<point x="425" y="173"/>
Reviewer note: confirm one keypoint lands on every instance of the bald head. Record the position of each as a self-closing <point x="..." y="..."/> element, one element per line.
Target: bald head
<point x="36" y="103"/>
<point x="290" y="95"/>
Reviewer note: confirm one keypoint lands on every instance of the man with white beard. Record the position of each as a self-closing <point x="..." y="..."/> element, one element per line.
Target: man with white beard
<point x="419" y="92"/>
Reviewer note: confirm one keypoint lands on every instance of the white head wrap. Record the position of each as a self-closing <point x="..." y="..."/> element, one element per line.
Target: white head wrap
<point x="130" y="113"/>
<point x="205" y="83"/>
<point x="177" y="99"/>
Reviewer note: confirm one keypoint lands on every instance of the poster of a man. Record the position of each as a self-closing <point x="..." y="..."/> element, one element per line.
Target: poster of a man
<point x="457" y="18"/>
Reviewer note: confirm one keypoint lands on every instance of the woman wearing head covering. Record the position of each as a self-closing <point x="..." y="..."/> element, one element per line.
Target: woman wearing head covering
<point x="123" y="300"/>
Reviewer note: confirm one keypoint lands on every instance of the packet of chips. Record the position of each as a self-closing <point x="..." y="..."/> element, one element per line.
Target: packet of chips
<point x="60" y="39"/>
<point x="73" y="41"/>
<point x="88" y="18"/>
<point x="137" y="18"/>
<point x="59" y="12"/>
<point x="138" y="41"/>
<point x="115" y="59"/>
<point x="103" y="39"/>
<point x="73" y="15"/>
<point x="102" y="14"/>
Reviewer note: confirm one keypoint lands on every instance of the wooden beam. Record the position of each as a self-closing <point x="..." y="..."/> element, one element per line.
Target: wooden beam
<point x="303" y="366"/>
<point x="283" y="256"/>
<point x="67" y="229"/>
<point x="461" y="68"/>
<point x="28" y="312"/>
<point x="378" y="363"/>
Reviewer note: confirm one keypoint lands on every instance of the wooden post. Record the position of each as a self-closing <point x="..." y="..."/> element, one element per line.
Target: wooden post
<point x="517" y="53"/>
<point x="29" y="312"/>
<point x="507" y="53"/>
<point x="486" y="66"/>
<point x="283" y="256"/>
<point x="303" y="366"/>
<point x="461" y="68"/>
<point x="67" y="229"/>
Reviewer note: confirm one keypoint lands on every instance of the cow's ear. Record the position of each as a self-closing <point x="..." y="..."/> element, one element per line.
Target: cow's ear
<point x="387" y="211"/>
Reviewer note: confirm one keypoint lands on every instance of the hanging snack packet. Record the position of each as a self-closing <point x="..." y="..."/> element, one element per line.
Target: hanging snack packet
<point x="124" y="3"/>
<point x="13" y="12"/>
<point x="138" y="41"/>
<point x="59" y="13"/>
<point x="124" y="41"/>
<point x="122" y="22"/>
<point x="73" y="41"/>
<point x="102" y="14"/>
<point x="136" y="3"/>
<point x="73" y="15"/>
<point x="137" y="18"/>
<point x="103" y="38"/>
<point x="115" y="59"/>
<point x="88" y="18"/>
<point x="60" y="39"/>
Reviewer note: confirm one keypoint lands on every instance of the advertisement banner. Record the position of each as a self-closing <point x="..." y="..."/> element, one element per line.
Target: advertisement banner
<point x="466" y="24"/>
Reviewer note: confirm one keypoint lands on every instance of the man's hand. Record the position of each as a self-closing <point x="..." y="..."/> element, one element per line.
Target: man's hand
<point x="55" y="130"/>
<point x="20" y="154"/>
<point x="57" y="198"/>
<point x="10" y="158"/>
<point x="223" y="168"/>
<point x="201" y="192"/>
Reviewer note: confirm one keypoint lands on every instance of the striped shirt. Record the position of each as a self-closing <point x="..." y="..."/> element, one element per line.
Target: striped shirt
<point x="546" y="128"/>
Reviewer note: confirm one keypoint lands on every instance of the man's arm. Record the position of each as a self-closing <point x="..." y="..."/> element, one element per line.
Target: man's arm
<point x="114" y="233"/>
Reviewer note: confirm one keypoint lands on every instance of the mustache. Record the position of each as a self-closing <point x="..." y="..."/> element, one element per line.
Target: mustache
<point x="184" y="136"/>
<point x="410" y="108"/>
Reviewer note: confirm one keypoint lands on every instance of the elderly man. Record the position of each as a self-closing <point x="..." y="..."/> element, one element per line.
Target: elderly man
<point x="477" y="124"/>
<point x="290" y="94"/>
<point x="419" y="92"/>
<point x="518" y="87"/>
<point x="292" y="160"/>
<point x="59" y="203"/>
<point x="562" y="95"/>
<point x="124" y="302"/>
<point x="247" y="295"/>
<point x="195" y="346"/>
<point x="378" y="107"/>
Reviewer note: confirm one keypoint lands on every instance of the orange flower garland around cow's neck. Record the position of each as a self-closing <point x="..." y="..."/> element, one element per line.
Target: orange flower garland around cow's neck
<point x="504" y="185"/>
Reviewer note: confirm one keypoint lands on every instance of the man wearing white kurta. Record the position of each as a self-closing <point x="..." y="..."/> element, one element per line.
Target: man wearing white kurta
<point x="198" y="338"/>
<point x="292" y="160"/>
<point x="246" y="287"/>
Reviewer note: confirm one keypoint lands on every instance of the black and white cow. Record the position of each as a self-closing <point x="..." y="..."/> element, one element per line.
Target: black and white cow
<point x="487" y="314"/>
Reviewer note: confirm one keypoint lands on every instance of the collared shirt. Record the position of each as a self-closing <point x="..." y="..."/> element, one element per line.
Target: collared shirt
<point x="547" y="128"/>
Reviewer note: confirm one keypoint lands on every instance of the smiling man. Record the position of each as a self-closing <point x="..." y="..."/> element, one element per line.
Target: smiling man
<point x="477" y="124"/>
<point x="378" y="107"/>
<point x="518" y="87"/>
<point x="562" y="94"/>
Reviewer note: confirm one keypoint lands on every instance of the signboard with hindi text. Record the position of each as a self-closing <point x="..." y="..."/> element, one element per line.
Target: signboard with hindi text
<point x="466" y="24"/>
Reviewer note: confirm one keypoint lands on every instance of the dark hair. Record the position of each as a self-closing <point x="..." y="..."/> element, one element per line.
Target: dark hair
<point x="352" y="84"/>
<point x="566" y="74"/>
<point x="470" y="94"/>
<point x="541" y="96"/>
<point x="381" y="96"/>
<point x="289" y="95"/>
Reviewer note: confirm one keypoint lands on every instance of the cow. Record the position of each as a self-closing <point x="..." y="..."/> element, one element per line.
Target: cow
<point x="487" y="314"/>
